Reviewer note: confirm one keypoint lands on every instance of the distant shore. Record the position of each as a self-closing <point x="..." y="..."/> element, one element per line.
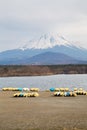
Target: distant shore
<point x="37" y="70"/>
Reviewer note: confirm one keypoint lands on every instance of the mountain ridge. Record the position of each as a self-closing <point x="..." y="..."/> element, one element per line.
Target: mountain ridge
<point x="49" y="58"/>
<point x="48" y="41"/>
<point x="43" y="45"/>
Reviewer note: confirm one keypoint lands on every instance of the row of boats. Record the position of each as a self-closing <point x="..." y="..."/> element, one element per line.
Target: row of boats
<point x="37" y="89"/>
<point x="22" y="94"/>
<point x="20" y="89"/>
<point x="33" y="92"/>
<point x="67" y="92"/>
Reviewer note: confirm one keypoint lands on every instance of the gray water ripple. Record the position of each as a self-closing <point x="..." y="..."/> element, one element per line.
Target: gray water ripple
<point x="46" y="82"/>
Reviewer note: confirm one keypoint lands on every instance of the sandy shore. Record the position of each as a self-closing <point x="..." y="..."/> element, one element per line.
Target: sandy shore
<point x="42" y="113"/>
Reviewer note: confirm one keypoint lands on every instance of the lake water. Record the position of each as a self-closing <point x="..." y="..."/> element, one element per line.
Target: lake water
<point x="46" y="82"/>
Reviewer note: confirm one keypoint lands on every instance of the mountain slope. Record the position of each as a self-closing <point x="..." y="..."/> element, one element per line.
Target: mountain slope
<point x="49" y="58"/>
<point x="55" y="43"/>
<point x="48" y="43"/>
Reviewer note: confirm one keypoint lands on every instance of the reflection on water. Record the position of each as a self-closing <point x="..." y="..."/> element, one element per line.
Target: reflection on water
<point x="46" y="82"/>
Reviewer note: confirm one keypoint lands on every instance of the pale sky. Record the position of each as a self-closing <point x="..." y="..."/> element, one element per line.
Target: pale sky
<point x="22" y="20"/>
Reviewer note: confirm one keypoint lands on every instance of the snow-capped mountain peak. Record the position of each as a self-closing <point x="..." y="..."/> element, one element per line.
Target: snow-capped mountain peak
<point x="48" y="41"/>
<point x="48" y="49"/>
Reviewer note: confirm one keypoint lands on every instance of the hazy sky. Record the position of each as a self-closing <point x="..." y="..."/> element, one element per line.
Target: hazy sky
<point x="21" y="20"/>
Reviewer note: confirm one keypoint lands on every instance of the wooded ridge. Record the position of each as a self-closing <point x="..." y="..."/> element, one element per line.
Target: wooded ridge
<point x="37" y="70"/>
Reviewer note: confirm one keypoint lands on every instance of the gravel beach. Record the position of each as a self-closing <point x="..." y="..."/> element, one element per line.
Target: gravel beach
<point x="45" y="112"/>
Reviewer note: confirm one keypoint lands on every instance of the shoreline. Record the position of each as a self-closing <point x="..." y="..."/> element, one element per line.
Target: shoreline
<point x="38" y="75"/>
<point x="40" y="70"/>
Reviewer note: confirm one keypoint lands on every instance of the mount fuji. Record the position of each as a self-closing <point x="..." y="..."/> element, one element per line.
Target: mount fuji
<point x="48" y="41"/>
<point x="47" y="50"/>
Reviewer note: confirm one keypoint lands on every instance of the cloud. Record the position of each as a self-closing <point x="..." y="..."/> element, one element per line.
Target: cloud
<point x="23" y="19"/>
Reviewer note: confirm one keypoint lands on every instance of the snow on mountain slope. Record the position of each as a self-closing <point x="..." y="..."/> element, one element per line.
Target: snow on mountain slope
<point x="48" y="41"/>
<point x="36" y="51"/>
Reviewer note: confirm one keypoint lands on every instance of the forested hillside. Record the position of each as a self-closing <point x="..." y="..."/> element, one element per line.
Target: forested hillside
<point x="33" y="70"/>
